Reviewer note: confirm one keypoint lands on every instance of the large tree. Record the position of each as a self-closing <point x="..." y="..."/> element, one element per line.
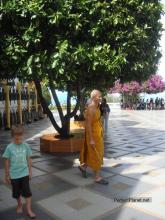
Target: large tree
<point x="78" y="45"/>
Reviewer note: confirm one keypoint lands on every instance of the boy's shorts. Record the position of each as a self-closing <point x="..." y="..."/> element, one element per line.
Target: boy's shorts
<point x="21" y="187"/>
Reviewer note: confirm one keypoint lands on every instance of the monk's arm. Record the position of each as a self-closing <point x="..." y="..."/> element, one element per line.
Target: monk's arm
<point x="91" y="112"/>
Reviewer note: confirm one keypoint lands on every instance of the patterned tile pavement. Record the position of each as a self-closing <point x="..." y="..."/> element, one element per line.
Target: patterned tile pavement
<point x="134" y="165"/>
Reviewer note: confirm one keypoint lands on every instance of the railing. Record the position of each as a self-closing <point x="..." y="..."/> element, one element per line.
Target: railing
<point x="18" y="105"/>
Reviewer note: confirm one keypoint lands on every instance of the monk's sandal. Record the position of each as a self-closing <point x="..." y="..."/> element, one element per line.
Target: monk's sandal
<point x="83" y="172"/>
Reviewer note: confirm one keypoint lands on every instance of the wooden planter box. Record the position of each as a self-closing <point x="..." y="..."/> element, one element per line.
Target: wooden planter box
<point x="50" y="143"/>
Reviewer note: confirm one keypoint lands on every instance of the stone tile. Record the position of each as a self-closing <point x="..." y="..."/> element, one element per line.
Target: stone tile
<point x="36" y="172"/>
<point x="98" y="204"/>
<point x="120" y="186"/>
<point x="151" y="173"/>
<point x="53" y="165"/>
<point x="38" y="156"/>
<point x="47" y="185"/>
<point x="159" y="163"/>
<point x="74" y="176"/>
<point x="128" y="213"/>
<point x="41" y="214"/>
<point x="156" y="207"/>
<point x="2" y="164"/>
<point x="131" y="147"/>
<point x="139" y="158"/>
<point x="155" y="177"/>
<point x="133" y="157"/>
<point x="159" y="139"/>
<point x="111" y="143"/>
<point x="161" y="146"/>
<point x="123" y="139"/>
<point x="115" y="153"/>
<point x="152" y="151"/>
<point x="118" y="167"/>
<point x="149" y="143"/>
<point x="112" y="163"/>
<point x="141" y="170"/>
<point x="78" y="203"/>
<point x="6" y="200"/>
<point x="137" y="171"/>
<point x="73" y="157"/>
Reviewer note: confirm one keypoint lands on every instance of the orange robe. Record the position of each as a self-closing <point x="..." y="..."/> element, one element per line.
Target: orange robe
<point x="88" y="155"/>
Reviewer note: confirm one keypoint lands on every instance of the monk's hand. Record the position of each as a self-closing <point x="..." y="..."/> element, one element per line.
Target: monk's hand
<point x="92" y="143"/>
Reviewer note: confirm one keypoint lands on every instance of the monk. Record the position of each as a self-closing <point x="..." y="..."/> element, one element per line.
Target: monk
<point x="91" y="154"/>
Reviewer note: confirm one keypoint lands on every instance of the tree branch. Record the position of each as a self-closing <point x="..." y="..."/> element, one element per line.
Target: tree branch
<point x="45" y="106"/>
<point x="55" y="97"/>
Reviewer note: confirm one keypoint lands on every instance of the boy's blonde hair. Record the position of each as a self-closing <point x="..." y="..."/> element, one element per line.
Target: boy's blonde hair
<point x="17" y="130"/>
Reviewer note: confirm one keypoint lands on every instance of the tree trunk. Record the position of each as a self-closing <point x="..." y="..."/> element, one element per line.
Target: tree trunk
<point x="45" y="106"/>
<point x="64" y="130"/>
<point x="59" y="108"/>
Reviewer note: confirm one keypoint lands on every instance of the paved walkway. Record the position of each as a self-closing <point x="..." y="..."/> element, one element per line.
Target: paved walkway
<point x="134" y="164"/>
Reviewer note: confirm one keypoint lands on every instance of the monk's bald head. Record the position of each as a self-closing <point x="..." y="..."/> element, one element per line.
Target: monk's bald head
<point x="95" y="93"/>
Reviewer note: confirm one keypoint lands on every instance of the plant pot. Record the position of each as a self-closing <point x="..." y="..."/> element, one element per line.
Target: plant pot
<point x="50" y="143"/>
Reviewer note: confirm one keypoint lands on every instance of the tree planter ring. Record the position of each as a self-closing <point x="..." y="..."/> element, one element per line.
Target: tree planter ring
<point x="50" y="143"/>
<point x="53" y="144"/>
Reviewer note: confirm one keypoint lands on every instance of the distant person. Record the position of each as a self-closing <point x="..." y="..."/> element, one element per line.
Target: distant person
<point x="157" y="103"/>
<point x="151" y="104"/>
<point x="18" y="169"/>
<point x="162" y="103"/>
<point x="121" y="104"/>
<point x="93" y="150"/>
<point x="105" y="111"/>
<point x="147" y="104"/>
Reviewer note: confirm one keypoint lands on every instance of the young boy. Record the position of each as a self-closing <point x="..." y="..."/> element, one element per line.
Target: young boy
<point x="18" y="169"/>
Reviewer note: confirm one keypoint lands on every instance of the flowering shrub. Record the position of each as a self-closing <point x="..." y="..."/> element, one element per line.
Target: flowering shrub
<point x="154" y="84"/>
<point x="132" y="87"/>
<point x="117" y="88"/>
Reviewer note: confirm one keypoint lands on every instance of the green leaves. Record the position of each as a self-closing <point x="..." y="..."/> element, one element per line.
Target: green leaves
<point x="91" y="41"/>
<point x="55" y="17"/>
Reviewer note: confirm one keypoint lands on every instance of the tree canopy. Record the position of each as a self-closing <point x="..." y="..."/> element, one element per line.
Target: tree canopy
<point x="77" y="44"/>
<point x="81" y="38"/>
